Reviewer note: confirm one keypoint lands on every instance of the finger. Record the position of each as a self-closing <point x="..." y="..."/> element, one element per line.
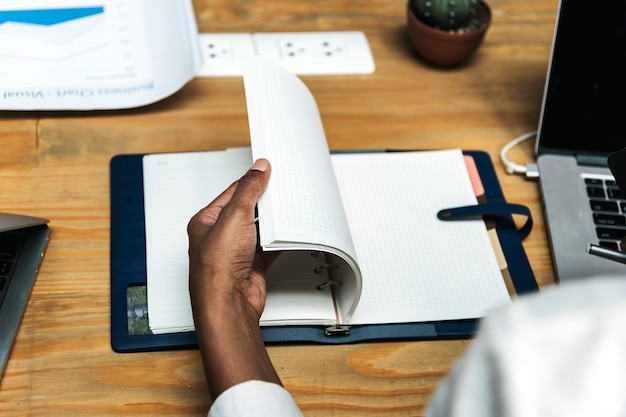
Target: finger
<point x="249" y="188"/>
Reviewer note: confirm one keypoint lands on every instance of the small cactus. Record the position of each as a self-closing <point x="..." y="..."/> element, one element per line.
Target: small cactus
<point x="446" y="14"/>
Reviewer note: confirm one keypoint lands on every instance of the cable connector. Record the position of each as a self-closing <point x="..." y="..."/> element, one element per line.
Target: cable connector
<point x="530" y="170"/>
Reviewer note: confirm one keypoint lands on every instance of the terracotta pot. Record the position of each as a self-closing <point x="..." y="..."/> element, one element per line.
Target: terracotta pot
<point x="443" y="48"/>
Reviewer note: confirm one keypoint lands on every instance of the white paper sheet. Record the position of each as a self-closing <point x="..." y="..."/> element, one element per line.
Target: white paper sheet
<point x="94" y="54"/>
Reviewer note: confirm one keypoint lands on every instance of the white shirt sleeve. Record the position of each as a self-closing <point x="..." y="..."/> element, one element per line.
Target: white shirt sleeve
<point x="560" y="353"/>
<point x="255" y="398"/>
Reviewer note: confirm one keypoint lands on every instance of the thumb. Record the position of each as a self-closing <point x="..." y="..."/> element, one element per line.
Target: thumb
<point x="251" y="186"/>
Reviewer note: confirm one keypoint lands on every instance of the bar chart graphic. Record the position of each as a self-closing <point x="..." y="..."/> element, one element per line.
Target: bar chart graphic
<point x="48" y="17"/>
<point x="94" y="54"/>
<point x="50" y="34"/>
<point x="78" y="40"/>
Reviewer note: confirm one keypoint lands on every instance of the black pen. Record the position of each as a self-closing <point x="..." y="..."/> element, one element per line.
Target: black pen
<point x="606" y="253"/>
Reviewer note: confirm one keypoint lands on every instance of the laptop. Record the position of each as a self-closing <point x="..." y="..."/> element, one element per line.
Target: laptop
<point x="23" y="240"/>
<point x="582" y="121"/>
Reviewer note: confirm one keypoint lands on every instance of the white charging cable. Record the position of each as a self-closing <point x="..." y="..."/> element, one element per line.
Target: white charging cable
<point x="529" y="170"/>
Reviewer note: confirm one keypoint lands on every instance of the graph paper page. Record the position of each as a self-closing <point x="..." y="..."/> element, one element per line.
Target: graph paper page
<point x="416" y="267"/>
<point x="301" y="207"/>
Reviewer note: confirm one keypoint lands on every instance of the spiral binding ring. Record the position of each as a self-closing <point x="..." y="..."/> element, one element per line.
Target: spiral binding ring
<point x="326" y="266"/>
<point x="322" y="267"/>
<point x="328" y="284"/>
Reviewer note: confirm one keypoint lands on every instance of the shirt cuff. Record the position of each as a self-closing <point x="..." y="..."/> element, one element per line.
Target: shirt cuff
<point x="255" y="398"/>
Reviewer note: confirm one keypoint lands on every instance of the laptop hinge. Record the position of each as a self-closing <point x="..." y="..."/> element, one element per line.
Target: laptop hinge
<point x="593" y="160"/>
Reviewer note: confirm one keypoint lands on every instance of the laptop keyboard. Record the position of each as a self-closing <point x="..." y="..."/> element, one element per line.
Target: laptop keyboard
<point x="10" y="245"/>
<point x="609" y="211"/>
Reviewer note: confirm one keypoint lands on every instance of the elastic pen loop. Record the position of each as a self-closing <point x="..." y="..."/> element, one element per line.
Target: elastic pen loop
<point x="495" y="210"/>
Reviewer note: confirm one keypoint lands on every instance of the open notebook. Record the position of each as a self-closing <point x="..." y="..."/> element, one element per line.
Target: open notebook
<point x="395" y="260"/>
<point x="362" y="244"/>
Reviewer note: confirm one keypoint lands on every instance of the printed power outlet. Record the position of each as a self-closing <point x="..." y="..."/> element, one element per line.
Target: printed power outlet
<point x="303" y="53"/>
<point x="307" y="49"/>
<point x="317" y="53"/>
<point x="223" y="53"/>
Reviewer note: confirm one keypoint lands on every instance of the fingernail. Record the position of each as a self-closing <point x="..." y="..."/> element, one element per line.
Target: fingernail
<point x="260" y="165"/>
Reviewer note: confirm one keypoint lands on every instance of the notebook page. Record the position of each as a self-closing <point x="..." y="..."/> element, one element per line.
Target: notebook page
<point x="176" y="186"/>
<point x="302" y="201"/>
<point x="416" y="267"/>
<point x="301" y="207"/>
<point x="292" y="297"/>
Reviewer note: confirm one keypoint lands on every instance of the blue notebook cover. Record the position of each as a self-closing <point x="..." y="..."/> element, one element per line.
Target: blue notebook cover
<point x="129" y="327"/>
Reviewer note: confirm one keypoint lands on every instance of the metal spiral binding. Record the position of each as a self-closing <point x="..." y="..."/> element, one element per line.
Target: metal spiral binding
<point x="336" y="330"/>
<point x="328" y="284"/>
<point x="325" y="266"/>
<point x="328" y="267"/>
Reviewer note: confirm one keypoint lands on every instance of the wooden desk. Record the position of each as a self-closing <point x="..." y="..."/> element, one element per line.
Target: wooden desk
<point x="56" y="165"/>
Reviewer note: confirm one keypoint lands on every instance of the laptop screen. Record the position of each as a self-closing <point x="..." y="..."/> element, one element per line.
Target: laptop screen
<point x="583" y="110"/>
